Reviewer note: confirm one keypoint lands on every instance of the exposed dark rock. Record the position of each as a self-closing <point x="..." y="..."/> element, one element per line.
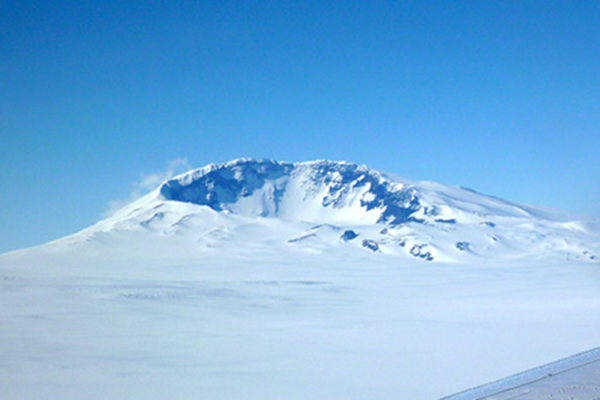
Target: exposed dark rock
<point x="221" y="185"/>
<point x="370" y="244"/>
<point x="348" y="235"/>
<point x="418" y="251"/>
<point x="463" y="246"/>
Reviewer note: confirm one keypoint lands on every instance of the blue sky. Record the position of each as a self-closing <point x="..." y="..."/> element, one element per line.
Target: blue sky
<point x="98" y="97"/>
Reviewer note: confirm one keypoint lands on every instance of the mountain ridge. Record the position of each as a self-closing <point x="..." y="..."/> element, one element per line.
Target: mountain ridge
<point x="322" y="206"/>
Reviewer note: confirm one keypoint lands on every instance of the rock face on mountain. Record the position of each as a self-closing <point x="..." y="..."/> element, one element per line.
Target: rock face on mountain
<point x="323" y="205"/>
<point x="295" y="191"/>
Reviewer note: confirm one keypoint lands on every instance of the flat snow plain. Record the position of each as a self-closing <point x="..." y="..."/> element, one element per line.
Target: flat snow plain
<point x="283" y="326"/>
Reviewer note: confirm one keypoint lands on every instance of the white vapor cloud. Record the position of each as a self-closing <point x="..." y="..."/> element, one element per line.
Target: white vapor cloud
<point x="148" y="182"/>
<point x="151" y="181"/>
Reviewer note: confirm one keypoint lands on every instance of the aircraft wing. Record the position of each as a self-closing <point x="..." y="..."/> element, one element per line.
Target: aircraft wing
<point x="572" y="378"/>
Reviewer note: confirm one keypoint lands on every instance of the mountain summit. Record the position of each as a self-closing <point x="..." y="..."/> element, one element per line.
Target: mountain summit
<point x="329" y="206"/>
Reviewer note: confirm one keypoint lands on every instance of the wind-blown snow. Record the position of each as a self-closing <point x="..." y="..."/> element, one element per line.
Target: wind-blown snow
<point x="265" y="280"/>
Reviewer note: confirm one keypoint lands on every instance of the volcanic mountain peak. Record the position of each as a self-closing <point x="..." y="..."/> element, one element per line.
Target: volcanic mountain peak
<point x="328" y="206"/>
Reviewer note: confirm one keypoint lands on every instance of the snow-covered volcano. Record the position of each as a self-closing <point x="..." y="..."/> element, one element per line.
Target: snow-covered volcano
<point x="324" y="206"/>
<point x="258" y="279"/>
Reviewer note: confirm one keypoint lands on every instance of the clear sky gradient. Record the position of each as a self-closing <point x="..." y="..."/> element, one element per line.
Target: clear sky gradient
<point x="499" y="96"/>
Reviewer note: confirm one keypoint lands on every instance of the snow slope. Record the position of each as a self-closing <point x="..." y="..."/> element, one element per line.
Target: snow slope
<point x="265" y="280"/>
<point x="338" y="206"/>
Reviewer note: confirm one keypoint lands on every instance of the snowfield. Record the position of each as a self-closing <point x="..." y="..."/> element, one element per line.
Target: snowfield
<point x="274" y="280"/>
